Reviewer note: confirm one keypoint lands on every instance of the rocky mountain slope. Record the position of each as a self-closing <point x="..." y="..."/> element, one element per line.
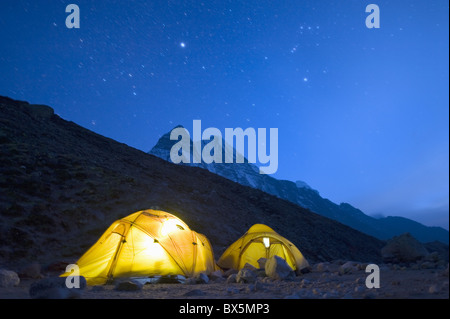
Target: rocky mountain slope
<point x="300" y="193"/>
<point x="62" y="185"/>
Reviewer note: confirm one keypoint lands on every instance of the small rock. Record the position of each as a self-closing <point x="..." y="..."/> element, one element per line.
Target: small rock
<point x="305" y="283"/>
<point x="260" y="285"/>
<point x="427" y="265"/>
<point x="216" y="275"/>
<point x="251" y="288"/>
<point x="56" y="288"/>
<point x="277" y="268"/>
<point x="249" y="267"/>
<point x="190" y="281"/>
<point x="347" y="268"/>
<point x="128" y="285"/>
<point x="322" y="267"/>
<point x="262" y="263"/>
<point x="201" y="278"/>
<point x="230" y="272"/>
<point x="231" y="279"/>
<point x="169" y="279"/>
<point x="316" y="292"/>
<point x="8" y="278"/>
<point x="434" y="289"/>
<point x="260" y="273"/>
<point x="361" y="266"/>
<point x="245" y="276"/>
<point x="415" y="267"/>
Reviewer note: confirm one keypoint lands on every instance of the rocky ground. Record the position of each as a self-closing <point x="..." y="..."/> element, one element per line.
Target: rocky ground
<point x="336" y="280"/>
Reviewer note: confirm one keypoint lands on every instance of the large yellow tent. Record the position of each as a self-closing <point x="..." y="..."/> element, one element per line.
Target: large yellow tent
<point x="261" y="241"/>
<point x="146" y="243"/>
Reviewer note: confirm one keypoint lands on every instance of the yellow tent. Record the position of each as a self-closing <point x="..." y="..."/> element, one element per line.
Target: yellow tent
<point x="146" y="243"/>
<point x="261" y="241"/>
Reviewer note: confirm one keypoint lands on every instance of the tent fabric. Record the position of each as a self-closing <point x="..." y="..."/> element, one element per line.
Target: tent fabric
<point x="261" y="241"/>
<point x="147" y="243"/>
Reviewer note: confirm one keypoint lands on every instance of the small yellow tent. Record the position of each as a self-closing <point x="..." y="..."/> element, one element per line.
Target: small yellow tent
<point x="261" y="241"/>
<point x="146" y="243"/>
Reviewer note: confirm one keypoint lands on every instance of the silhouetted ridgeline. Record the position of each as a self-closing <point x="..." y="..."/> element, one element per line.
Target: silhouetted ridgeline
<point x="301" y="194"/>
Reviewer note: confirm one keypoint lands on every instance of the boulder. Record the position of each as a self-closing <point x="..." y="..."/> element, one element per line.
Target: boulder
<point x="245" y="276"/>
<point x="230" y="272"/>
<point x="403" y="249"/>
<point x="262" y="263"/>
<point x="197" y="279"/>
<point x="202" y="278"/>
<point x="348" y="268"/>
<point x="8" y="278"/>
<point x="217" y="275"/>
<point x="250" y="267"/>
<point x="56" y="288"/>
<point x="433" y="257"/>
<point x="277" y="268"/>
<point x="231" y="279"/>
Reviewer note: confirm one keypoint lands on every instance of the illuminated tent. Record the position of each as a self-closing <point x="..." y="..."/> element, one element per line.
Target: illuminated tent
<point x="144" y="244"/>
<point x="261" y="241"/>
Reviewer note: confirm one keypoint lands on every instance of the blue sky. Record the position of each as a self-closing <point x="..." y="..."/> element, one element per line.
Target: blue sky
<point x="362" y="113"/>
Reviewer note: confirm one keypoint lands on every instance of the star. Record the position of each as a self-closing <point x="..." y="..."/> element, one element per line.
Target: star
<point x="182" y="44"/>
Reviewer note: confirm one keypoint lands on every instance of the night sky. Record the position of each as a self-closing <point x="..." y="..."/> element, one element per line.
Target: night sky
<point x="362" y="114"/>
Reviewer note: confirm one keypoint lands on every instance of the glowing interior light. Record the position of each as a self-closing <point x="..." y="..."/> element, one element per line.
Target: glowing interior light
<point x="266" y="242"/>
<point x="169" y="226"/>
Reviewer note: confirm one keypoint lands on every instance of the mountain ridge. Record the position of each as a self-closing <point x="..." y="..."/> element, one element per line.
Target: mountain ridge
<point x="301" y="193"/>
